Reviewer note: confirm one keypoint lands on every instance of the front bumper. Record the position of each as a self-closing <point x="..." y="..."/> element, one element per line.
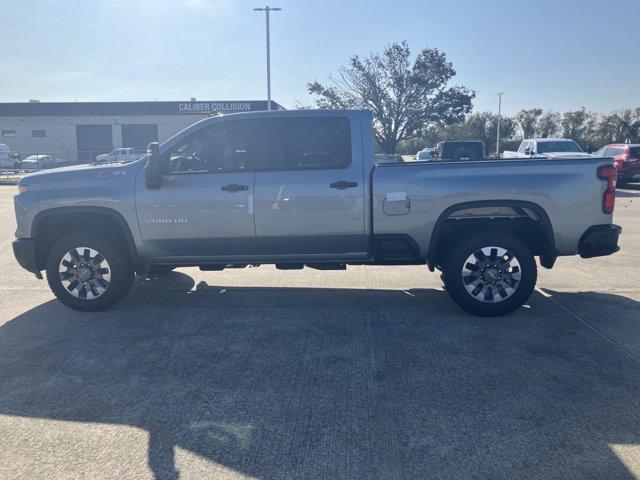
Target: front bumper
<point x="24" y="250"/>
<point x="599" y="240"/>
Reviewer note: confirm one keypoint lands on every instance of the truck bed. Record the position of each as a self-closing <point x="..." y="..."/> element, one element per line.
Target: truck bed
<point x="409" y="198"/>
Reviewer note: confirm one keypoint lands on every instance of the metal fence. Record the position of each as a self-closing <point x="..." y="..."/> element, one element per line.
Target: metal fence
<point x="13" y="165"/>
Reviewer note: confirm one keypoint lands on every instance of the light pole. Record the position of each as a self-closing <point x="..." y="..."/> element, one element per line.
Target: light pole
<point x="499" y="118"/>
<point x="268" y="9"/>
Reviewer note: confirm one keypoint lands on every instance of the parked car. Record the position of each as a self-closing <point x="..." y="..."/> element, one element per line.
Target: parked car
<point x="236" y="189"/>
<point x="456" y="151"/>
<point x="40" y="162"/>
<point x="626" y="160"/>
<point x="425" y="155"/>
<point x="547" y="148"/>
<point x="389" y="158"/>
<point x="8" y="159"/>
<point x="119" y="155"/>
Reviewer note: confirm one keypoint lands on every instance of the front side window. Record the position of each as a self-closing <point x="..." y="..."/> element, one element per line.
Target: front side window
<point x="311" y="143"/>
<point x="228" y="146"/>
<point x="523" y="147"/>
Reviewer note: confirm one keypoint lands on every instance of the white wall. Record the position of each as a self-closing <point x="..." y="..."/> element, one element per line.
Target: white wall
<point x="61" y="131"/>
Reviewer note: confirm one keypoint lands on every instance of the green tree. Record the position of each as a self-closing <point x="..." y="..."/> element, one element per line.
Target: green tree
<point x="580" y="126"/>
<point x="407" y="98"/>
<point x="527" y="121"/>
<point x="548" y="125"/>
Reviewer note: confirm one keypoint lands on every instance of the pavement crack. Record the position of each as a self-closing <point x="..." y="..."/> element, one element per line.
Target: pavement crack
<point x="590" y="325"/>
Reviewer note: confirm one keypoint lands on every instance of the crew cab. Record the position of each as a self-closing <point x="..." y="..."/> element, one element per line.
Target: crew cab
<point x="626" y="158"/>
<point x="547" y="147"/>
<point x="302" y="189"/>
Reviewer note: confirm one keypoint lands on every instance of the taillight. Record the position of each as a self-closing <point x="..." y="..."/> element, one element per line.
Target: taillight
<point x="608" y="173"/>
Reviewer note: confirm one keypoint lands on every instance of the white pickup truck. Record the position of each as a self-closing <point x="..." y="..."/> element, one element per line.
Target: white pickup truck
<point x="547" y="148"/>
<point x="119" y="155"/>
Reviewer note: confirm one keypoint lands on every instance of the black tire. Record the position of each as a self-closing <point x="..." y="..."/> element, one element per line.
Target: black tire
<point x="455" y="285"/>
<point x="120" y="270"/>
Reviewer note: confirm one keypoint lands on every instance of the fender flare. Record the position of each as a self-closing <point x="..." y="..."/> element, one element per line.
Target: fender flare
<point x="138" y="261"/>
<point x="546" y="260"/>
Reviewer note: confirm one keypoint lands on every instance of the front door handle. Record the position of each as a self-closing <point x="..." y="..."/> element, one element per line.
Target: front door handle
<point x="234" y="187"/>
<point x="343" y="185"/>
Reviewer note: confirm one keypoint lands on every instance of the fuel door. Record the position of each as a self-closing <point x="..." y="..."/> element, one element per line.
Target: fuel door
<point x="396" y="203"/>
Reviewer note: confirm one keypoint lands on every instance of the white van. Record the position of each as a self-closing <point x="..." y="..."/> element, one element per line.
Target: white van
<point x="7" y="159"/>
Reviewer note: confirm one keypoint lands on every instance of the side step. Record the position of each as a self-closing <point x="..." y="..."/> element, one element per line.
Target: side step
<point x="316" y="266"/>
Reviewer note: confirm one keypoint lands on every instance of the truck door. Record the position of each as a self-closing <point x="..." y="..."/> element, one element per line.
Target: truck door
<point x="309" y="191"/>
<point x="204" y="205"/>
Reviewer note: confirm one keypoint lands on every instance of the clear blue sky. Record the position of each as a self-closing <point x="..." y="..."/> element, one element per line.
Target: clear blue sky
<point x="558" y="54"/>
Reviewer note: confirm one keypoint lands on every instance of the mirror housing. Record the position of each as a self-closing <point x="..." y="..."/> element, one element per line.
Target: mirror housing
<point x="152" y="178"/>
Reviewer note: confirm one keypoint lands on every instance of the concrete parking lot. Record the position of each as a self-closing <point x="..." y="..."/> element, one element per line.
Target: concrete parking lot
<point x="369" y="373"/>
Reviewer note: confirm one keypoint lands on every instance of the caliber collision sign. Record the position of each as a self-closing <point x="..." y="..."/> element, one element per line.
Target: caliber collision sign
<point x="211" y="107"/>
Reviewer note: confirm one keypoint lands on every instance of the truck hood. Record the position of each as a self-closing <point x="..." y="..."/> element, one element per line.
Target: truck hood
<point x="84" y="169"/>
<point x="64" y="176"/>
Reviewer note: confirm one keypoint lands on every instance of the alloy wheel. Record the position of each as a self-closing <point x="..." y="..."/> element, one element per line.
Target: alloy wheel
<point x="84" y="273"/>
<point x="491" y="274"/>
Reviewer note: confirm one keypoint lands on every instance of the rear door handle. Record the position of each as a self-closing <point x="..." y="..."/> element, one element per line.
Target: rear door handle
<point x="234" y="187"/>
<point x="343" y="185"/>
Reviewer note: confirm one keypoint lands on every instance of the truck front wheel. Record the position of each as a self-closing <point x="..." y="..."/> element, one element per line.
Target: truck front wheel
<point x="490" y="274"/>
<point x="87" y="272"/>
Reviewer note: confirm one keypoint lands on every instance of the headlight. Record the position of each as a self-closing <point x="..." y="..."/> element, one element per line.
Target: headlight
<point x="23" y="187"/>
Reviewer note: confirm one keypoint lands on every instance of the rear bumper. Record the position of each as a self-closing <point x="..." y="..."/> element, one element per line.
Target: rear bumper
<point x="24" y="250"/>
<point x="599" y="240"/>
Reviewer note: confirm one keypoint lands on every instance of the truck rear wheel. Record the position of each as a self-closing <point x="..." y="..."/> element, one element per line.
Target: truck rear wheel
<point x="490" y="274"/>
<point x="88" y="273"/>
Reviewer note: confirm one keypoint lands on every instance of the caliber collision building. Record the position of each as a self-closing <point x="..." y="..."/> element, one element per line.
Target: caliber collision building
<point x="78" y="131"/>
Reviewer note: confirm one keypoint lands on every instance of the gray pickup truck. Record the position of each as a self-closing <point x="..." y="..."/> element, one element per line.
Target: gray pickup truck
<point x="301" y="188"/>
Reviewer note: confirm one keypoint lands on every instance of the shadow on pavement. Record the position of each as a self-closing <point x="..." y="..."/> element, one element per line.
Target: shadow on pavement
<point x="330" y="383"/>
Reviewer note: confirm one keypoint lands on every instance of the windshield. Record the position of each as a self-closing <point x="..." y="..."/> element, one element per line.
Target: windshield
<point x="564" y="146"/>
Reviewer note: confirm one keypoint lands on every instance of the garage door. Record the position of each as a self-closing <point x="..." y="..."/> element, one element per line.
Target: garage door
<point x="93" y="140"/>
<point x="139" y="136"/>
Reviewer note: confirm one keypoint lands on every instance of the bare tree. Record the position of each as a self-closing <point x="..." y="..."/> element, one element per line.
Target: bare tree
<point x="406" y="99"/>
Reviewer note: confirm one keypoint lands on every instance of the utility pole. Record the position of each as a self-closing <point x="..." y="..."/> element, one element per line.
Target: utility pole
<point x="266" y="10"/>
<point x="499" y="118"/>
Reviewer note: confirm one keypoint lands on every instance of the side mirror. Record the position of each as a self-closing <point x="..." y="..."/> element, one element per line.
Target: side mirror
<point x="152" y="178"/>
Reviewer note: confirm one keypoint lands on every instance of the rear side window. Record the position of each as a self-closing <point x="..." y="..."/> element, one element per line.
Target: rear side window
<point x="559" y="146"/>
<point x="613" y="151"/>
<point x="310" y="143"/>
<point x="634" y="152"/>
